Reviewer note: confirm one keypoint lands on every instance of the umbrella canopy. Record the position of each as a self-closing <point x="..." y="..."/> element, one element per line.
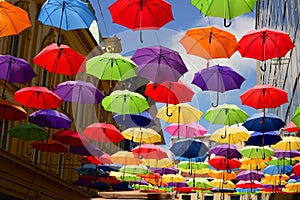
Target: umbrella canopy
<point x="13" y="19"/>
<point x="87" y="150"/>
<point x="189" y="130"/>
<point x="281" y="161"/>
<point x="269" y="138"/>
<point x="159" y="64"/>
<point x="222" y="163"/>
<point x="90" y="170"/>
<point x="142" y="135"/>
<point x="233" y="135"/>
<point x="162" y="163"/>
<point x="291" y="127"/>
<point x="173" y="178"/>
<point x="79" y="91"/>
<point x="125" y="176"/>
<point x="135" y="169"/>
<point x="296" y="117"/>
<point x="209" y="42"/>
<point x="200" y="183"/>
<point x="11" y="111"/>
<point x="219" y="183"/>
<point x="70" y="137"/>
<point x="124" y="158"/>
<point x="125" y="102"/>
<point x="288" y="144"/>
<point x="286" y="154"/>
<point x="254" y="163"/>
<point x="163" y="170"/>
<point x="248" y="184"/>
<point x="264" y="122"/>
<point x="264" y="44"/>
<point x="296" y="169"/>
<point x="28" y="132"/>
<point x="227" y="114"/>
<point x="51" y="146"/>
<point x="293" y="187"/>
<point x="103" y="132"/>
<point x="111" y="66"/>
<point x="50" y="119"/>
<point x="257" y="152"/>
<point x="143" y="119"/>
<point x="149" y="151"/>
<point x="60" y="60"/>
<point x="264" y="96"/>
<point x="226" y="150"/>
<point x="103" y="159"/>
<point x="189" y="148"/>
<point x="250" y="175"/>
<point x="141" y="14"/>
<point x="37" y="97"/>
<point x="194" y="166"/>
<point x="230" y="175"/>
<point x="273" y="169"/>
<point x="180" y="113"/>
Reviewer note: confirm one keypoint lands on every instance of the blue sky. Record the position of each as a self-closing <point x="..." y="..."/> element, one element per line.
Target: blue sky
<point x="187" y="16"/>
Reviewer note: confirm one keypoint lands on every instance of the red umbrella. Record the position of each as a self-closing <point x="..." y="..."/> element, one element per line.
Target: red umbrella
<point x="149" y="151"/>
<point x="264" y="96"/>
<point x="37" y="97"/>
<point x="169" y="92"/>
<point x="291" y="127"/>
<point x="264" y="44"/>
<point x="49" y="146"/>
<point x="11" y="111"/>
<point x="60" y="60"/>
<point x="103" y="132"/>
<point x="223" y="163"/>
<point x="103" y="159"/>
<point x="141" y="14"/>
<point x="248" y="184"/>
<point x="296" y="169"/>
<point x="70" y="137"/>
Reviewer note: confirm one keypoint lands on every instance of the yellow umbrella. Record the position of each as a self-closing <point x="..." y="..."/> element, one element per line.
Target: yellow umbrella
<point x="196" y="171"/>
<point x="293" y="187"/>
<point x="173" y="178"/>
<point x="233" y="135"/>
<point x="124" y="158"/>
<point x="274" y="179"/>
<point x="142" y="135"/>
<point x="162" y="163"/>
<point x="222" y="175"/>
<point x="219" y="183"/>
<point x="288" y="143"/>
<point x="254" y="163"/>
<point x="180" y="113"/>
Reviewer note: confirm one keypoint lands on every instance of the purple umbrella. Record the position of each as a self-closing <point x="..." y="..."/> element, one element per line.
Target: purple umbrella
<point x="227" y="150"/>
<point x="14" y="70"/>
<point x="250" y="175"/>
<point x="141" y="182"/>
<point x="161" y="171"/>
<point x="295" y="177"/>
<point x="50" y="119"/>
<point x="219" y="79"/>
<point x="88" y="150"/>
<point x="286" y="154"/>
<point x="79" y="91"/>
<point x="159" y="64"/>
<point x="177" y="184"/>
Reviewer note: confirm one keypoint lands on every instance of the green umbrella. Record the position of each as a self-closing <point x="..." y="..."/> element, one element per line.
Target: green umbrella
<point x="28" y="132"/>
<point x="224" y="8"/>
<point x="257" y="152"/>
<point x="201" y="183"/>
<point x="135" y="169"/>
<point x="143" y="187"/>
<point x="192" y="165"/>
<point x="296" y="117"/>
<point x="125" y="102"/>
<point x="281" y="161"/>
<point x="125" y="177"/>
<point x="111" y="66"/>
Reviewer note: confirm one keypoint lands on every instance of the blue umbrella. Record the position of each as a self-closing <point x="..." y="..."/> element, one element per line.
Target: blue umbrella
<point x="189" y="148"/>
<point x="122" y="186"/>
<point x="143" y="119"/>
<point x="264" y="122"/>
<point x="269" y="138"/>
<point x="110" y="167"/>
<point x="273" y="169"/>
<point x="100" y="186"/>
<point x="50" y="119"/>
<point x="66" y="14"/>
<point x="195" y="159"/>
<point x="90" y="170"/>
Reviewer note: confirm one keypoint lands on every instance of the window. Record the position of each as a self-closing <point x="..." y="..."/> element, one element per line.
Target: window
<point x="4" y="139"/>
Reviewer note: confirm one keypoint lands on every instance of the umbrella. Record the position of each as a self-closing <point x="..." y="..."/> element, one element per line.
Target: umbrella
<point x="103" y="132"/>
<point x="142" y="135"/>
<point x="13" y="69"/>
<point x="281" y="161"/>
<point x="124" y="176"/>
<point x="50" y="119"/>
<point x="296" y="117"/>
<point x="60" y="60"/>
<point x="189" y="130"/>
<point x="189" y="148"/>
<point x="163" y="170"/>
<point x="135" y="169"/>
<point x="222" y="163"/>
<point x="291" y="127"/>
<point x="263" y="122"/>
<point x="218" y="78"/>
<point x="173" y="178"/>
<point x="162" y="163"/>
<point x="87" y="150"/>
<point x="90" y="170"/>
<point x="37" y="97"/>
<point x="141" y="14"/>
<point x="257" y="152"/>
<point x="233" y="135"/>
<point x="226" y="150"/>
<point x="230" y="175"/>
<point x="264" y="44"/>
<point x="225" y="9"/>
<point x="209" y="42"/>
<point x="111" y="66"/>
<point x="122" y="186"/>
<point x="293" y="187"/>
<point x="286" y="154"/>
<point x="11" y="111"/>
<point x="253" y="184"/>
<point x="269" y="138"/>
<point x="149" y="151"/>
<point x="288" y="144"/>
<point x="199" y="183"/>
<point x="143" y="119"/>
<point x="254" y="163"/>
<point x="103" y="159"/>
<point x="28" y="132"/>
<point x="159" y="64"/>
<point x="79" y="91"/>
<point x="250" y="175"/>
<point x="296" y="169"/>
<point x="13" y="19"/>
<point x="66" y="15"/>
<point x="279" y="179"/>
<point x="219" y="183"/>
<point x="264" y="96"/>
<point x="196" y="167"/>
<point x="125" y="102"/>
<point x="69" y="137"/>
<point x="49" y="146"/>
<point x="124" y="158"/>
<point x="273" y="169"/>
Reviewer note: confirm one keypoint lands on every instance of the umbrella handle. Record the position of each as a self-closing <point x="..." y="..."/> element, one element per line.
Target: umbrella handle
<point x="263" y="67"/>
<point x="167" y="112"/>
<point x="225" y="24"/>
<point x="69" y="156"/>
<point x="141" y="37"/>
<point x="28" y="152"/>
<point x="217" y="103"/>
<point x="191" y="172"/>
<point x="225" y="182"/>
<point x="223" y="136"/>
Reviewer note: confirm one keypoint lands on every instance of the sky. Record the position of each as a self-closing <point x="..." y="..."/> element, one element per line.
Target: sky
<point x="187" y="16"/>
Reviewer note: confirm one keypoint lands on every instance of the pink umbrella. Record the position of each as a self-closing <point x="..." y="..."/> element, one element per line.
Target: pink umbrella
<point x="149" y="151"/>
<point x="186" y="130"/>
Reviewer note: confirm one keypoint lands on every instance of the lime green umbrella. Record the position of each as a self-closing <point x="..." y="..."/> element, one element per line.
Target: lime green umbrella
<point x="143" y="187"/>
<point x="135" y="169"/>
<point x="125" y="177"/>
<point x="125" y="102"/>
<point x="193" y="166"/>
<point x="227" y="114"/>
<point x="257" y="152"/>
<point x="281" y="161"/>
<point x="28" y="132"/>
<point x="111" y="66"/>
<point x="226" y="9"/>
<point x="200" y="183"/>
<point x="296" y="117"/>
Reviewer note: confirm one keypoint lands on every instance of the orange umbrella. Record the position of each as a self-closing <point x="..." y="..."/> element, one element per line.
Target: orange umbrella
<point x="209" y="42"/>
<point x="124" y="158"/>
<point x="222" y="175"/>
<point x="13" y="20"/>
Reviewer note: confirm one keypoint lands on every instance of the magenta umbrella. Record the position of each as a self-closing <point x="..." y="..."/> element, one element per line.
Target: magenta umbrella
<point x="189" y="130"/>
